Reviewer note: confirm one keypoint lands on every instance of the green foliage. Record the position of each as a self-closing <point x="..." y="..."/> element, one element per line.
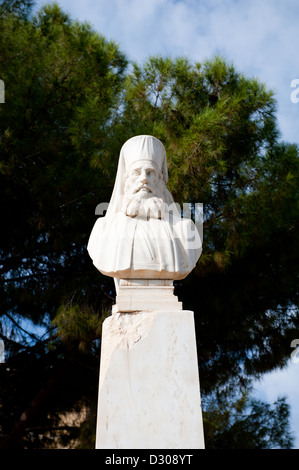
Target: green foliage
<point x="245" y="423"/>
<point x="22" y="8"/>
<point x="62" y="82"/>
<point x="223" y="150"/>
<point x="79" y="324"/>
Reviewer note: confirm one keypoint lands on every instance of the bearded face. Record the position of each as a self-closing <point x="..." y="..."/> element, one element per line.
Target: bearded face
<point x="144" y="191"/>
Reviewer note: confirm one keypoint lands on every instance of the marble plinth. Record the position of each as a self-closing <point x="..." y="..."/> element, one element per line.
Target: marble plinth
<point x="146" y="294"/>
<point x="149" y="396"/>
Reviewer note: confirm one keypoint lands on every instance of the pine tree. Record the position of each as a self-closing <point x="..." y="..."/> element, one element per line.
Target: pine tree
<point x="62" y="82"/>
<point x="224" y="151"/>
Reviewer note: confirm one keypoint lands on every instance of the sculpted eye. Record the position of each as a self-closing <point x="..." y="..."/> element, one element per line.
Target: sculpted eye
<point x="136" y="172"/>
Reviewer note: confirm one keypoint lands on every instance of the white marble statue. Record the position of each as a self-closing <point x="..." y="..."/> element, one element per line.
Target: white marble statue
<point x="149" y="395"/>
<point x="142" y="234"/>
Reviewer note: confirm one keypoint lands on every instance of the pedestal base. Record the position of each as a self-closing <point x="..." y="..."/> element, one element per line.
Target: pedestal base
<point x="146" y="294"/>
<point x="149" y="395"/>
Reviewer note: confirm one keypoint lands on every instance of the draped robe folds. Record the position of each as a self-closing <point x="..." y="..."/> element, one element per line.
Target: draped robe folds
<point x="125" y="247"/>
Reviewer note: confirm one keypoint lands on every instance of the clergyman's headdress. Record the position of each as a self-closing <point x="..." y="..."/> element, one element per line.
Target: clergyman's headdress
<point x="138" y="148"/>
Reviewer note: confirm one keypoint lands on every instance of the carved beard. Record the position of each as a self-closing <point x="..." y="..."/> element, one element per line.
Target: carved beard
<point x="144" y="204"/>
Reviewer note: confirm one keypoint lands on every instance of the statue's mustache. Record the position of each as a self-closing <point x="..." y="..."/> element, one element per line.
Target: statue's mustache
<point x="143" y="186"/>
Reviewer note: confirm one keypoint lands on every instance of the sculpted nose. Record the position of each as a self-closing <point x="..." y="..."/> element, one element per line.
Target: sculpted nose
<point x="143" y="177"/>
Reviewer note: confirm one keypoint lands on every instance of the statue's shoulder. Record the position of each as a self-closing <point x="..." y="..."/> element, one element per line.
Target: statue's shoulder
<point x="110" y="217"/>
<point x="112" y="222"/>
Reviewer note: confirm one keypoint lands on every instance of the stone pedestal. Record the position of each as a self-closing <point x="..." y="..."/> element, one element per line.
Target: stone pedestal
<point x="146" y="294"/>
<point x="149" y="395"/>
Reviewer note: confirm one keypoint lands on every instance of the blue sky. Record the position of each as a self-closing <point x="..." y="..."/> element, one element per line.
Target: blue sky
<point x="260" y="37"/>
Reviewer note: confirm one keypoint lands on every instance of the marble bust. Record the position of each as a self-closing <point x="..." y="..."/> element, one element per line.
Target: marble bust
<point x="142" y="235"/>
